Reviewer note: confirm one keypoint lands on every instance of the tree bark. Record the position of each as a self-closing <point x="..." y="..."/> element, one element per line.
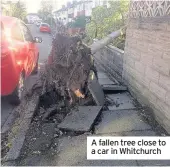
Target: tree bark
<point x="105" y="41"/>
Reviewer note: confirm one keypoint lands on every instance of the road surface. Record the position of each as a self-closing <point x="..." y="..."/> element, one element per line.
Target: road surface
<point x="44" y="49"/>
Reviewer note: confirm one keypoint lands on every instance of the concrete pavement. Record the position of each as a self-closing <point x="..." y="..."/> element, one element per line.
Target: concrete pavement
<point x="69" y="150"/>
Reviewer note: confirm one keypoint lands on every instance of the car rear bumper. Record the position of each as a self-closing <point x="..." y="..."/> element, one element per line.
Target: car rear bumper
<point x="9" y="79"/>
<point x="44" y="30"/>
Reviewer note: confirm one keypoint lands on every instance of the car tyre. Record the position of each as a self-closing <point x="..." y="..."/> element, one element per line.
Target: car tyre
<point x="16" y="96"/>
<point x="35" y="71"/>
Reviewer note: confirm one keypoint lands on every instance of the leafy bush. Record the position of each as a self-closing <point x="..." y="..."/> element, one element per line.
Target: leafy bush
<point x="106" y="20"/>
<point x="18" y="9"/>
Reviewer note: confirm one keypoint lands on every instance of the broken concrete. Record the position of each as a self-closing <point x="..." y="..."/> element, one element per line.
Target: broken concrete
<point x="102" y="75"/>
<point x="121" y="121"/>
<point x="96" y="90"/>
<point x="106" y="81"/>
<point x="111" y="88"/>
<point x="81" y="120"/>
<point x="121" y="101"/>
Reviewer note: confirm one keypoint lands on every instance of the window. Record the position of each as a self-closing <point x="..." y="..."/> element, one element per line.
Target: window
<point x="26" y="32"/>
<point x="16" y="33"/>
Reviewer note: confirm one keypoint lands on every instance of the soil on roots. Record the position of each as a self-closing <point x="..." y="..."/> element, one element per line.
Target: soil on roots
<point x="70" y="68"/>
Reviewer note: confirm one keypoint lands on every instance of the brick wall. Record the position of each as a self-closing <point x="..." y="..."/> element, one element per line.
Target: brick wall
<point x="110" y="60"/>
<point x="146" y="68"/>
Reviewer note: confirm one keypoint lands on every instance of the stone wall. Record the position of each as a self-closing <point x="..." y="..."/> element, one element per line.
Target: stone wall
<point x="110" y="60"/>
<point x="147" y="57"/>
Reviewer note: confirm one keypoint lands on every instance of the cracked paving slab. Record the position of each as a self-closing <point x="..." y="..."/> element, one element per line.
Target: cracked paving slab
<point x="106" y="81"/>
<point x="121" y="121"/>
<point x="81" y="119"/>
<point x="102" y="75"/>
<point x="96" y="91"/>
<point x="121" y="101"/>
<point x="112" y="88"/>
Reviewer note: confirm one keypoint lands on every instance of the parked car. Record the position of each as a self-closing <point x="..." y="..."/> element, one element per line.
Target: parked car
<point x="44" y="27"/>
<point x="19" y="57"/>
<point x="38" y="23"/>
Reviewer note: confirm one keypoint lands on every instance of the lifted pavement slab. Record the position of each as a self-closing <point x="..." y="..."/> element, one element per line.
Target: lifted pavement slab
<point x="106" y="81"/>
<point x="121" y="121"/>
<point x="114" y="88"/>
<point x="73" y="152"/>
<point x="81" y="120"/>
<point x="102" y="75"/>
<point x="96" y="91"/>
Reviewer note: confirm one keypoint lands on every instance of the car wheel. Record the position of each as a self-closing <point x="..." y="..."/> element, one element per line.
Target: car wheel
<point x="35" y="71"/>
<point x="17" y="95"/>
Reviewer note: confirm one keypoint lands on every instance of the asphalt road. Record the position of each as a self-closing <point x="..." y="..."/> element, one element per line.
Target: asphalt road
<point x="44" y="49"/>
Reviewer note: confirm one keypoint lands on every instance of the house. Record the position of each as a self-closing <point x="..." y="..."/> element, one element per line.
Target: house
<point x="31" y="17"/>
<point x="70" y="11"/>
<point x="62" y="13"/>
<point x="78" y="8"/>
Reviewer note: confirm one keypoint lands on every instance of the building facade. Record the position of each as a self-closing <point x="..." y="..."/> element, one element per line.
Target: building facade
<point x="78" y="8"/>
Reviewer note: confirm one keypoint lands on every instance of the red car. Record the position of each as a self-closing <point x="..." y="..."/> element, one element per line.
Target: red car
<point x="19" y="56"/>
<point x="44" y="27"/>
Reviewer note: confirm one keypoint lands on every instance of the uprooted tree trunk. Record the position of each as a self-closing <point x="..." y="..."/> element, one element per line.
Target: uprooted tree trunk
<point x="69" y="71"/>
<point x="72" y="61"/>
<point x="105" y="41"/>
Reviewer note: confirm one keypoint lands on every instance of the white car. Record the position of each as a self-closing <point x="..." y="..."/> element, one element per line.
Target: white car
<point x="38" y="23"/>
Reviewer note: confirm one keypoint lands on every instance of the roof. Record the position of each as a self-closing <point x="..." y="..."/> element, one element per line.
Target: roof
<point x="72" y="5"/>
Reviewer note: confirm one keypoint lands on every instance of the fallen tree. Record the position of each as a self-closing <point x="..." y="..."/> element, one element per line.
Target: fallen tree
<point x="70" y="68"/>
<point x="71" y="64"/>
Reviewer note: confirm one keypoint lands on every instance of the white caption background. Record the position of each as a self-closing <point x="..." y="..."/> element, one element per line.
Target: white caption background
<point x="96" y="151"/>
